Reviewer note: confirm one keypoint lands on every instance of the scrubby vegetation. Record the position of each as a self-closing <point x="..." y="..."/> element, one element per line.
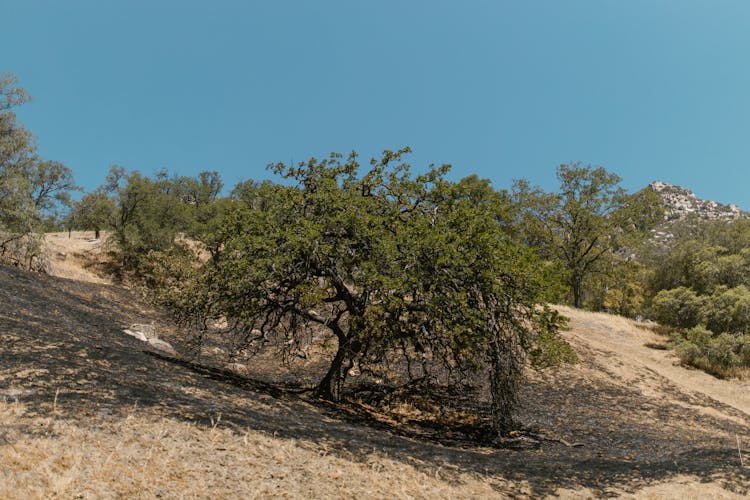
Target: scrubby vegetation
<point x="700" y="286"/>
<point x="696" y="282"/>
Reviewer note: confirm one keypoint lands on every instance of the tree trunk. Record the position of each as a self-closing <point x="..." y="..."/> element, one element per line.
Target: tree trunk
<point x="576" y="286"/>
<point x="577" y="300"/>
<point x="330" y="387"/>
<point x="96" y="234"/>
<point x="506" y="366"/>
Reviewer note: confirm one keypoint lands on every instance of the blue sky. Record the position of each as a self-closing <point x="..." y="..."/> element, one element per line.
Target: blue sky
<point x="648" y="89"/>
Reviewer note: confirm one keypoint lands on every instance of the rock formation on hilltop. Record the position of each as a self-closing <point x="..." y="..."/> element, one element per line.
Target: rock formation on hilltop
<point x="680" y="203"/>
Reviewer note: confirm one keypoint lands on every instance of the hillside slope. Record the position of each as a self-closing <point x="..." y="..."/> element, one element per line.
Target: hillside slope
<point x="654" y="371"/>
<point x="87" y="411"/>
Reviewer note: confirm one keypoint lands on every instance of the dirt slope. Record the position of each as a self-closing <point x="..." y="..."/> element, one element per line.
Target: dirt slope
<point x="655" y="372"/>
<point x="73" y="255"/>
<point x="88" y="412"/>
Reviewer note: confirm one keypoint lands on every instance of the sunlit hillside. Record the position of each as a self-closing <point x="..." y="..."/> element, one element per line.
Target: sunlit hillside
<point x="88" y="412"/>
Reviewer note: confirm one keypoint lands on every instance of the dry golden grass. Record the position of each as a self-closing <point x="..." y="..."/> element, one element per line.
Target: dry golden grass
<point x="146" y="456"/>
<point x="142" y="456"/>
<point x="628" y="336"/>
<point x="649" y="428"/>
<point x="71" y="255"/>
<point x="731" y="373"/>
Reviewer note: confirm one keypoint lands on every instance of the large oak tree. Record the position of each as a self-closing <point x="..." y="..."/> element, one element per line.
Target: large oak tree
<point x="386" y="263"/>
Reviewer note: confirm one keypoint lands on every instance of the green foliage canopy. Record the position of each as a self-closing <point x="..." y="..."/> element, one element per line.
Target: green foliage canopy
<point x="385" y="262"/>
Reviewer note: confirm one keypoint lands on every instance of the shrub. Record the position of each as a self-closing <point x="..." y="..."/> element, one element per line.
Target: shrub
<point x="744" y="351"/>
<point x="723" y="355"/>
<point x="728" y="310"/>
<point x="688" y="352"/>
<point x="680" y="307"/>
<point x="721" y="351"/>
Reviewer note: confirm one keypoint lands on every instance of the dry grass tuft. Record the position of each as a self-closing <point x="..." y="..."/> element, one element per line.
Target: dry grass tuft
<point x="659" y="346"/>
<point x="720" y="372"/>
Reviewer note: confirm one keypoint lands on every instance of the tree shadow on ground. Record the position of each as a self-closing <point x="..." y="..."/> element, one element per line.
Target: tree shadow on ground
<point x="61" y="343"/>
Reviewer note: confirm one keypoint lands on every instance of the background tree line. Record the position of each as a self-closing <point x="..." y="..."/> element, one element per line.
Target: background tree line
<point x="700" y="286"/>
<point x="697" y="283"/>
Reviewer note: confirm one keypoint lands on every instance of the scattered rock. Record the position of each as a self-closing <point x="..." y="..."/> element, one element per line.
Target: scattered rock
<point x="237" y="368"/>
<point x="162" y="345"/>
<point x="139" y="335"/>
<point x="147" y="330"/>
<point x="147" y="334"/>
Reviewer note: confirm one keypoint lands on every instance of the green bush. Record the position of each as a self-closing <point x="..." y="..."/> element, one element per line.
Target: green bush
<point x="699" y="335"/>
<point x="679" y="307"/>
<point x="732" y="270"/>
<point x="744" y="351"/>
<point x="721" y="351"/>
<point x="723" y="355"/>
<point x="688" y="351"/>
<point x="728" y="310"/>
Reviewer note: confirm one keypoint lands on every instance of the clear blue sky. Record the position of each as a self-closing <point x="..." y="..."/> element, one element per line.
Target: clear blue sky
<point x="648" y="89"/>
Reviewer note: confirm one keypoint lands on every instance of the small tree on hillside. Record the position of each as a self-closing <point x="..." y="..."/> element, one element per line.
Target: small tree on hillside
<point x="17" y="153"/>
<point x="51" y="184"/>
<point x="386" y="263"/>
<point x="93" y="212"/>
<point x="148" y="214"/>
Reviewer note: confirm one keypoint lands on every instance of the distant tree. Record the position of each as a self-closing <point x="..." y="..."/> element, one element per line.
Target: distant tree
<point x="586" y="222"/>
<point x="200" y="191"/>
<point x="679" y="307"/>
<point x="147" y="215"/>
<point x="17" y="152"/>
<point x="385" y="263"/>
<point x="688" y="263"/>
<point x="620" y="287"/>
<point x="93" y="212"/>
<point x="202" y="203"/>
<point x="11" y="94"/>
<point x="251" y="193"/>
<point x="727" y="310"/>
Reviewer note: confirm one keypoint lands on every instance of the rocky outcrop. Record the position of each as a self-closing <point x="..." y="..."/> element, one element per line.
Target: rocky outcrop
<point x="680" y="204"/>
